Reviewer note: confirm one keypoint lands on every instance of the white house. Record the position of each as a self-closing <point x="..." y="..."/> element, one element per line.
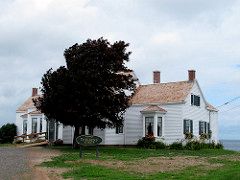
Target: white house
<point x="165" y="110"/>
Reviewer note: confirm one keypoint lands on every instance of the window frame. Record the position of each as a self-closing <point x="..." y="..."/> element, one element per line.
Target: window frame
<point x="25" y="125"/>
<point x="158" y="129"/>
<point x="190" y="126"/>
<point x="119" y="129"/>
<point x="34" y="128"/>
<point x="40" y="125"/>
<point x="204" y="127"/>
<point x="152" y="121"/>
<point x="195" y="100"/>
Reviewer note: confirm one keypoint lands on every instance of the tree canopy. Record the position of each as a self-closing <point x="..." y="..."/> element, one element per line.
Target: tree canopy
<point x="91" y="89"/>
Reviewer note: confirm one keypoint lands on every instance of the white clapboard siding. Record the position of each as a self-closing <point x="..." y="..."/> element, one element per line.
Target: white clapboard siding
<point x="100" y="133"/>
<point x="195" y="113"/>
<point x="19" y="123"/>
<point x="172" y="125"/>
<point x="214" y="125"/>
<point x="67" y="134"/>
<point x="111" y="138"/>
<point x="133" y="125"/>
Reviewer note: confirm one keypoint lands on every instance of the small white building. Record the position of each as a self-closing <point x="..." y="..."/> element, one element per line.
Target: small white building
<point x="165" y="110"/>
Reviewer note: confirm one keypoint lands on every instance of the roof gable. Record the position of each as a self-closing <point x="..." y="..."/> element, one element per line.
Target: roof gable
<point x="27" y="104"/>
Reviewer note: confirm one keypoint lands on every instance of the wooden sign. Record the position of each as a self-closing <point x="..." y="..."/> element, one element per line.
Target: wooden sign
<point x="88" y="140"/>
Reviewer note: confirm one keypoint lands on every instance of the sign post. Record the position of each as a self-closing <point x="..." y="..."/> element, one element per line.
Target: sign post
<point x="88" y="140"/>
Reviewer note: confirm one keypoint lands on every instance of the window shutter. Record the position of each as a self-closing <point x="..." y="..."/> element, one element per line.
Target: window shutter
<point x="184" y="126"/>
<point x="198" y="100"/>
<point x="116" y="129"/>
<point x="205" y="127"/>
<point x="192" y="99"/>
<point x="191" y="126"/>
<point x="200" y="127"/>
<point x="208" y="127"/>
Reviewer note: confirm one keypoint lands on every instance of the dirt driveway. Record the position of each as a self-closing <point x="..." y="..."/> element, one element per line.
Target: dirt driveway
<point x="20" y="163"/>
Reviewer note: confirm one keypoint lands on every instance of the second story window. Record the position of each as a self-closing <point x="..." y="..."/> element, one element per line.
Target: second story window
<point x="195" y="100"/>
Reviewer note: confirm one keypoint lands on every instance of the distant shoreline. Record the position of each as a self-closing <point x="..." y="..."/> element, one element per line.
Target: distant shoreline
<point x="231" y="144"/>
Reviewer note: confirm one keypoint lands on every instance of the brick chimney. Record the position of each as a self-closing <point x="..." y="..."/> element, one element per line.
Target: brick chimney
<point x="34" y="92"/>
<point x="191" y="75"/>
<point x="156" y="76"/>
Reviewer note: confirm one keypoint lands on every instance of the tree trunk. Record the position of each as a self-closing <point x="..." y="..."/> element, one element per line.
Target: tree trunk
<point x="76" y="134"/>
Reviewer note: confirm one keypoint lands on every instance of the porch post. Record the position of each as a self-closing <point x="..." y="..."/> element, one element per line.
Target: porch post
<point x="143" y="126"/>
<point x="155" y="125"/>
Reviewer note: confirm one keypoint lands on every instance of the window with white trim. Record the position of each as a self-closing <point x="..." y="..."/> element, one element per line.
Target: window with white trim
<point x="187" y="126"/>
<point x="25" y="126"/>
<point x="34" y="125"/>
<point x="149" y="121"/>
<point x="40" y="128"/>
<point x="195" y="100"/>
<point x="159" y="126"/>
<point x="204" y="127"/>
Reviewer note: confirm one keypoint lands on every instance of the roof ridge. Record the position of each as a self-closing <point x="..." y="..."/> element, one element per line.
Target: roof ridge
<point x="172" y="82"/>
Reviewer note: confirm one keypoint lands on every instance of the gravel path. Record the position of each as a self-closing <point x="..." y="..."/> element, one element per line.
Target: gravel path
<point x="13" y="162"/>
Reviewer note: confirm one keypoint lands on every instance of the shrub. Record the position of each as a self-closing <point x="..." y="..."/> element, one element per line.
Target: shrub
<point x="176" y="145"/>
<point x="7" y="133"/>
<point x="58" y="142"/>
<point x="149" y="142"/>
<point x="160" y="145"/>
<point x="193" y="145"/>
<point x="146" y="142"/>
<point x="188" y="135"/>
<point x="219" y="145"/>
<point x="204" y="136"/>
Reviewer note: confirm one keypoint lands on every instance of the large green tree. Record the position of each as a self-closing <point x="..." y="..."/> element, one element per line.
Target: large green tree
<point x="91" y="89"/>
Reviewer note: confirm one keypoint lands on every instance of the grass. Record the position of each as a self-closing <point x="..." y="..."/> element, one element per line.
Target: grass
<point x="229" y="169"/>
<point x="6" y="145"/>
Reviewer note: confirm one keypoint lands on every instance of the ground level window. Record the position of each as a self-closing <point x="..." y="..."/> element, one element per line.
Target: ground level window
<point x="25" y="127"/>
<point x="159" y="126"/>
<point x="119" y="129"/>
<point x="40" y="128"/>
<point x="149" y="125"/>
<point x="204" y="127"/>
<point x="34" y="125"/>
<point x="90" y="130"/>
<point x="187" y="126"/>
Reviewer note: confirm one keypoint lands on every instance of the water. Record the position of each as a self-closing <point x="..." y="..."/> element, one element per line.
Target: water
<point x="231" y="144"/>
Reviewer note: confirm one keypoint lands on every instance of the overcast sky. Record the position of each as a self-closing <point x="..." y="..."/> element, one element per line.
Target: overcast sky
<point x="167" y="35"/>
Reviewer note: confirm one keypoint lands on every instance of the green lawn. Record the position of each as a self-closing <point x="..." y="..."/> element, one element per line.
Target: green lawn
<point x="6" y="145"/>
<point x="133" y="163"/>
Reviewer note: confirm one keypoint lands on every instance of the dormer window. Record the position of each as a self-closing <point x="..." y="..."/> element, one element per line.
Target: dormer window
<point x="195" y="100"/>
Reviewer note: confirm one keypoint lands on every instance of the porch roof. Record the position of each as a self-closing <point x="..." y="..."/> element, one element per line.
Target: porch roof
<point x="153" y="108"/>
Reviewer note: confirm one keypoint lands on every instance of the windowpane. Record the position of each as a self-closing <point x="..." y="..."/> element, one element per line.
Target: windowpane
<point x="195" y="100"/>
<point x="149" y="126"/>
<point x="119" y="129"/>
<point x="40" y="130"/>
<point x="159" y="126"/>
<point x="188" y="126"/>
<point x="25" y="127"/>
<point x="34" y="125"/>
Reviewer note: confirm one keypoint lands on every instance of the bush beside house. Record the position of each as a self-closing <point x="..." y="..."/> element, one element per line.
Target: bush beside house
<point x="7" y="133"/>
<point x="190" y="144"/>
